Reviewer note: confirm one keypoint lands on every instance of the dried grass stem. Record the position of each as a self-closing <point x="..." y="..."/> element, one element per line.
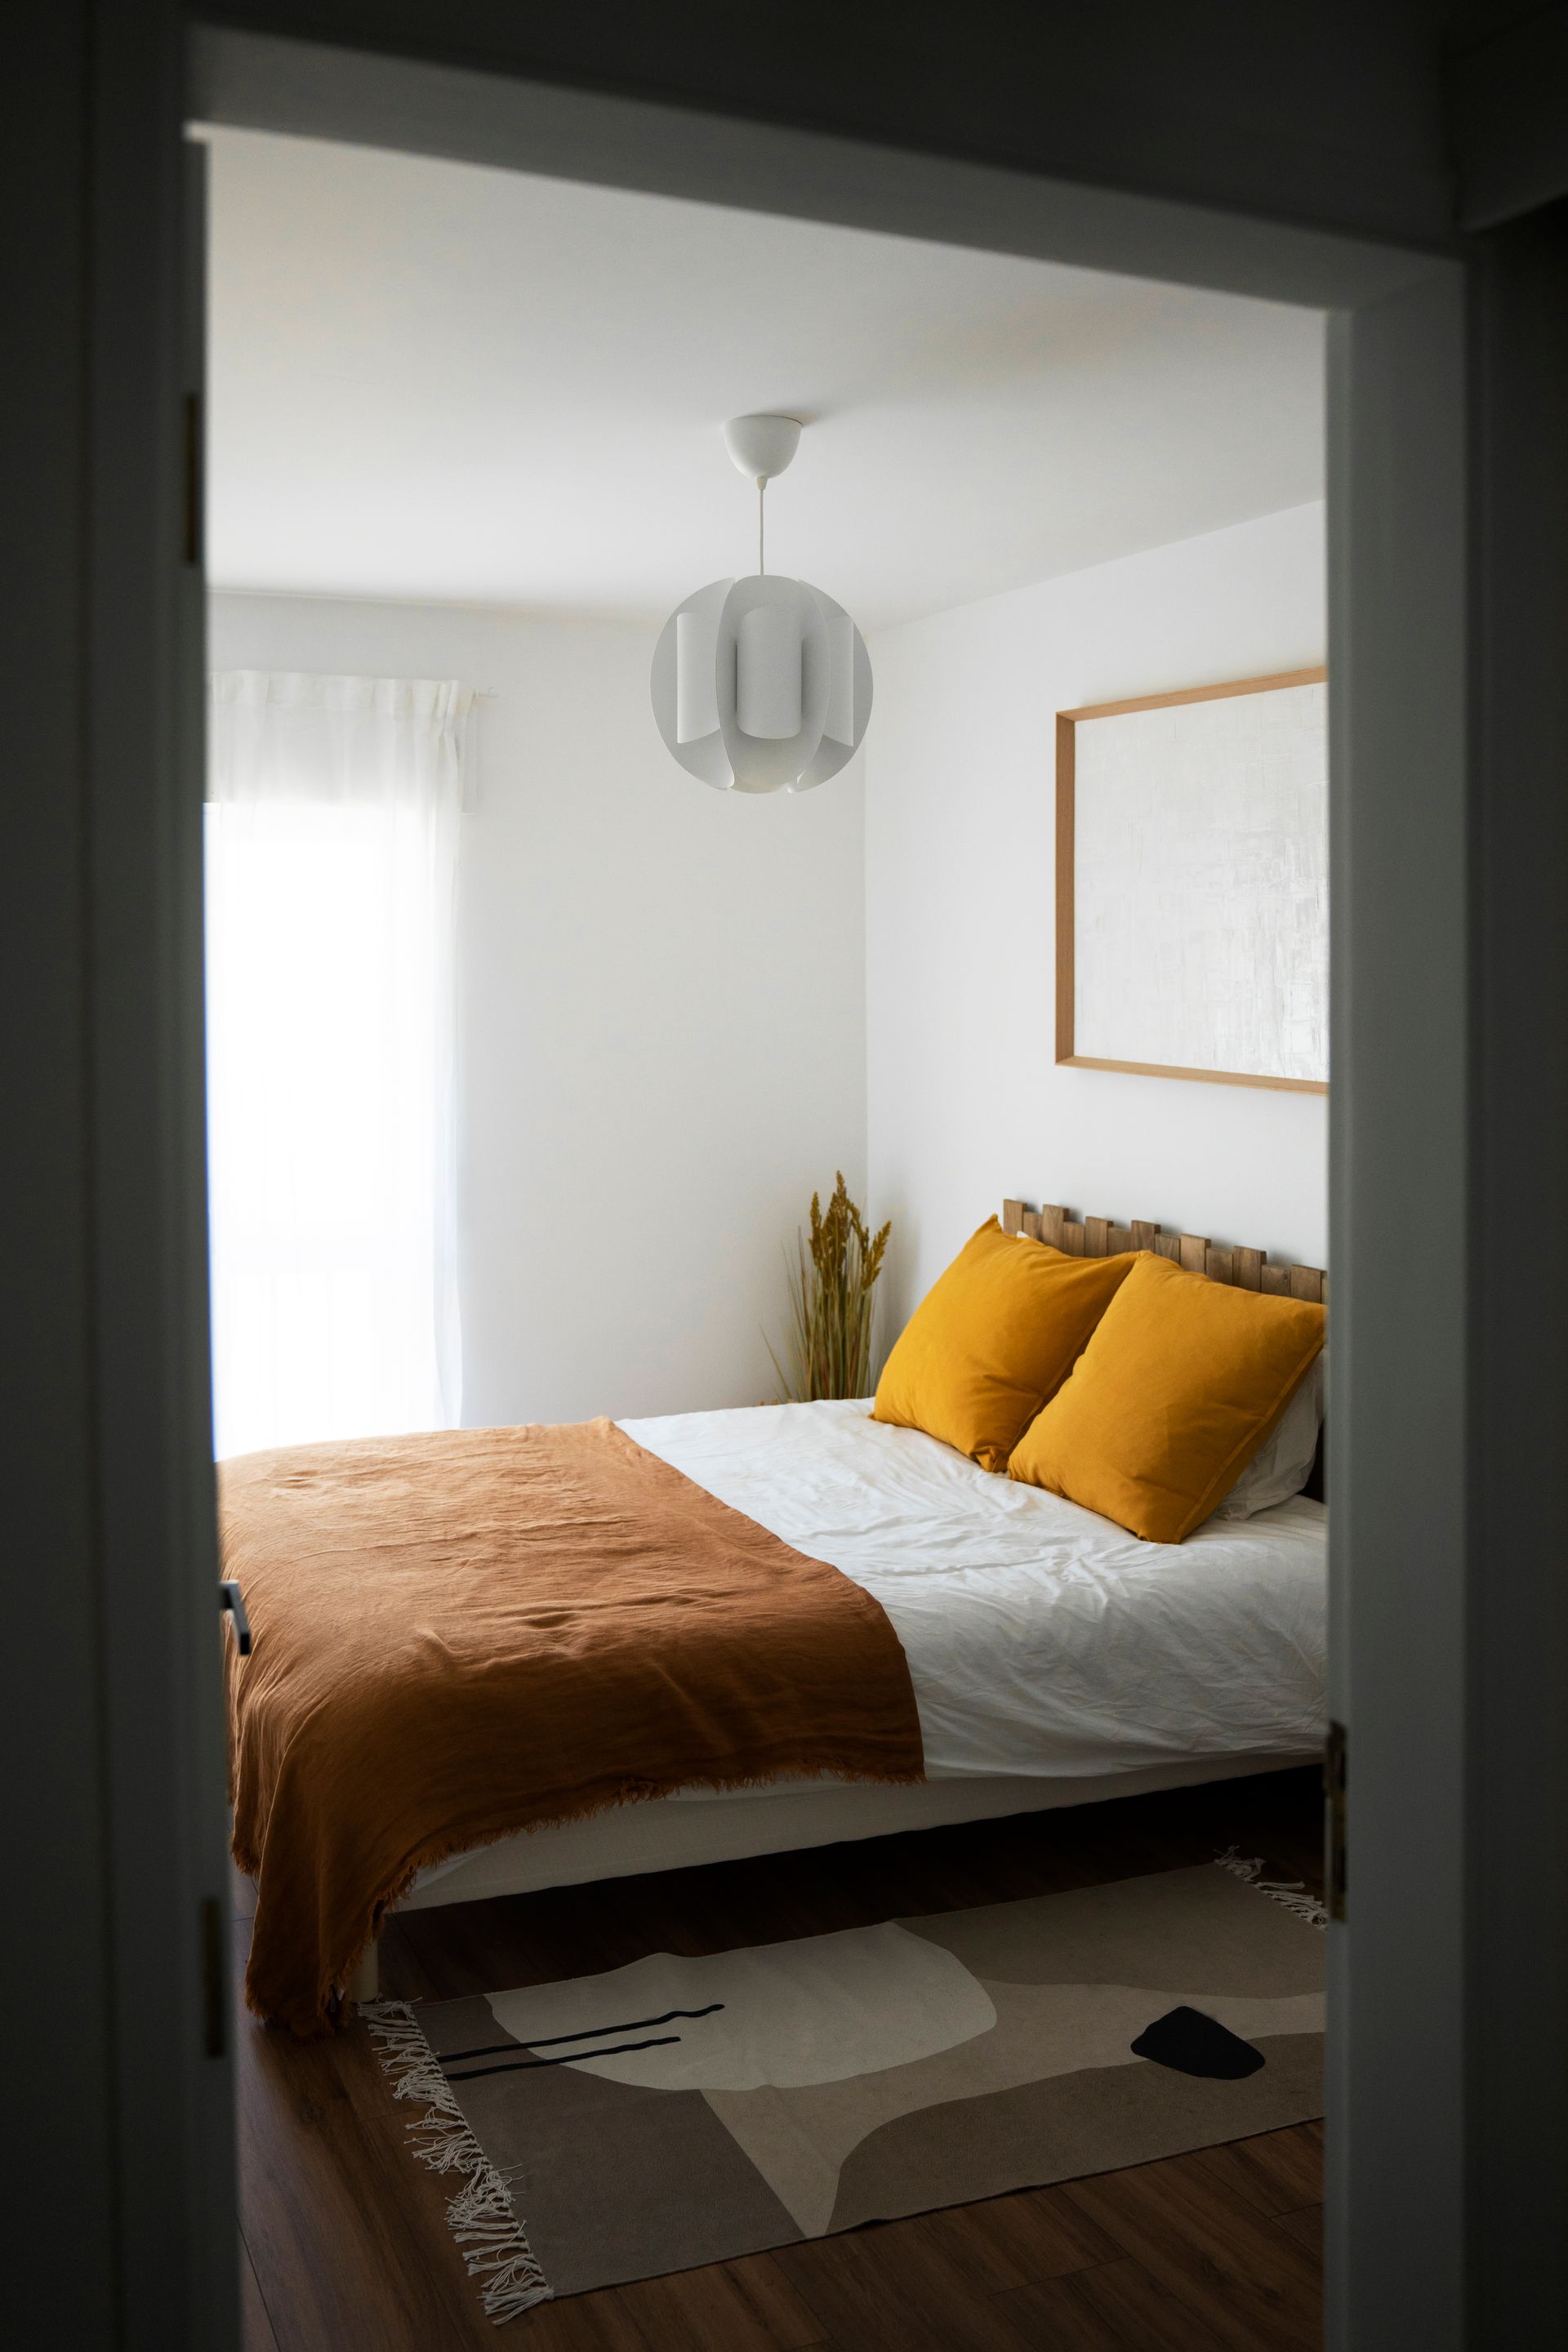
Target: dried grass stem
<point x="831" y="1284"/>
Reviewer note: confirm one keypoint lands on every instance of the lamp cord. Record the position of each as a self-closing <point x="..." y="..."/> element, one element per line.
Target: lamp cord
<point x="762" y="492"/>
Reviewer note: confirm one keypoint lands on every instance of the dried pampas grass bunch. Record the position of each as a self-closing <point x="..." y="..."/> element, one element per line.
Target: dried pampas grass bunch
<point x="831" y="1304"/>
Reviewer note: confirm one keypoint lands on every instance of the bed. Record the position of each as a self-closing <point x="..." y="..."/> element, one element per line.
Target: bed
<point x="1053" y="1658"/>
<point x="1026" y="1623"/>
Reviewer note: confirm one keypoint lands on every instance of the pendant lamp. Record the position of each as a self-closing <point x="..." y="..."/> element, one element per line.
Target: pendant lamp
<point x="763" y="684"/>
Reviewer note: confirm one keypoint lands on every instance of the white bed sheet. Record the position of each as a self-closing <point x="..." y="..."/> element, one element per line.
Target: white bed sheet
<point x="1041" y="1638"/>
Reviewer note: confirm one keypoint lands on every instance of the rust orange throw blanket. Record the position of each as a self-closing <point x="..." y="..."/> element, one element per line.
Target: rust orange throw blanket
<point x="465" y="1635"/>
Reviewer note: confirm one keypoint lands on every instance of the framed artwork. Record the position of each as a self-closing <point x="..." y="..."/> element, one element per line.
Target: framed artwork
<point x="1193" y="884"/>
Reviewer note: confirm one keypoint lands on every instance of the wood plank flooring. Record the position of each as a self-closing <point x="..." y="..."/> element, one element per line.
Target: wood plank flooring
<point x="344" y="2240"/>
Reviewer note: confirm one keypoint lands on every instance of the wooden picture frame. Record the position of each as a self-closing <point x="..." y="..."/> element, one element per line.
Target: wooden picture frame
<point x="1068" y="723"/>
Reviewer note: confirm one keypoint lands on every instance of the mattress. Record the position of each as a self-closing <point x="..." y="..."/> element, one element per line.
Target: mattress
<point x="1040" y="1637"/>
<point x="1054" y="1657"/>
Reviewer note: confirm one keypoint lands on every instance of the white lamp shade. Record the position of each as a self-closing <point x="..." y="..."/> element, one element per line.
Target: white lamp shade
<point x="695" y="701"/>
<point x="761" y="685"/>
<point x="770" y="664"/>
<point x="841" y="638"/>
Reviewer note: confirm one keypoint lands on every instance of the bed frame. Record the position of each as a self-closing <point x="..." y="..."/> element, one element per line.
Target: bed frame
<point x="676" y="1833"/>
<point x="1246" y="1269"/>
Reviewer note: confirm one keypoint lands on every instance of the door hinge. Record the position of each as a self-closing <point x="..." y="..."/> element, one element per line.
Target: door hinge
<point x="214" y="1978"/>
<point x="230" y="1598"/>
<point x="192" y="471"/>
<point x="1335" y="1807"/>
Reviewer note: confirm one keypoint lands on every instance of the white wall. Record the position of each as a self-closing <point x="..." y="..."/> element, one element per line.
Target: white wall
<point x="965" y="1102"/>
<point x="661" y="996"/>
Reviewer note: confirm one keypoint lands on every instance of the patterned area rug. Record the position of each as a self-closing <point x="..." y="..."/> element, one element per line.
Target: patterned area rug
<point x="685" y="2111"/>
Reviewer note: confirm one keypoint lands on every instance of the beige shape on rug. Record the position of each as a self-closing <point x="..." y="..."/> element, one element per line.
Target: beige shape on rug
<point x="799" y="2140"/>
<point x="778" y="2016"/>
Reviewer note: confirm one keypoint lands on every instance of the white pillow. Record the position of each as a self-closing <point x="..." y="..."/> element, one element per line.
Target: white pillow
<point x="1282" y="1468"/>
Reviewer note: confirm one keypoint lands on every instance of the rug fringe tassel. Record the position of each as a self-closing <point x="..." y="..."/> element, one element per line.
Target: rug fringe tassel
<point x="482" y="2215"/>
<point x="1290" y="1894"/>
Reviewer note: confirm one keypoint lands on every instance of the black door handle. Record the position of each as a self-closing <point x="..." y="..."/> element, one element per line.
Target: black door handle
<point x="231" y="1598"/>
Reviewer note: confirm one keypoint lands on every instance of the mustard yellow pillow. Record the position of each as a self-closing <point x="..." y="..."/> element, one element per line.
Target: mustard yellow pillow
<point x="993" y="1337"/>
<point x="1182" y="1382"/>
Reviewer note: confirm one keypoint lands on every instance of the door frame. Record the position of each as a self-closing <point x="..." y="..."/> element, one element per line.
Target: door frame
<point x="1449" y="854"/>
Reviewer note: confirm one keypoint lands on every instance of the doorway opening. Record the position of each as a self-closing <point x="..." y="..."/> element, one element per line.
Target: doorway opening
<point x="476" y="947"/>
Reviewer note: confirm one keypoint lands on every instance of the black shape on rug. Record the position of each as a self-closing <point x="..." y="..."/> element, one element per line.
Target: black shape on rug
<point x="1191" y="2043"/>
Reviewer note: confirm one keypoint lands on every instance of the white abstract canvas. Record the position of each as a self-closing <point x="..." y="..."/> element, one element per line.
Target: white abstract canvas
<point x="1201" y="885"/>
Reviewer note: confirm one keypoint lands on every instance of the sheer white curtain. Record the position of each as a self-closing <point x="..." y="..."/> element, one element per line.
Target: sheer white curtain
<point x="332" y="844"/>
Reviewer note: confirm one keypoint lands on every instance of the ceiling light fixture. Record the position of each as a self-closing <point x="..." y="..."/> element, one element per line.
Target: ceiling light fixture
<point x="762" y="685"/>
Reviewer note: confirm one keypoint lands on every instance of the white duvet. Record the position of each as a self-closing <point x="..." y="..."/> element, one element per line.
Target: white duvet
<point x="1040" y="1637"/>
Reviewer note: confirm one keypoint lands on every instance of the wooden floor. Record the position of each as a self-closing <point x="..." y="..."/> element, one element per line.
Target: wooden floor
<point x="344" y="2241"/>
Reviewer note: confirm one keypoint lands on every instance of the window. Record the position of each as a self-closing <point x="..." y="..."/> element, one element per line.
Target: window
<point x="331" y="839"/>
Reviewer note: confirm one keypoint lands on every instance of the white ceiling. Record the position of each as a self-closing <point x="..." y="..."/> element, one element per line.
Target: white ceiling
<point x="434" y="381"/>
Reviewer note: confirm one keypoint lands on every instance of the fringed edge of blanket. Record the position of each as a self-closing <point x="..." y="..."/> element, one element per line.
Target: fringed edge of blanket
<point x="482" y="2215"/>
<point x="1291" y="1894"/>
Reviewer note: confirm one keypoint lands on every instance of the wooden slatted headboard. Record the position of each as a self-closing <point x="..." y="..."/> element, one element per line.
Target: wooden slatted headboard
<point x="1249" y="1269"/>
